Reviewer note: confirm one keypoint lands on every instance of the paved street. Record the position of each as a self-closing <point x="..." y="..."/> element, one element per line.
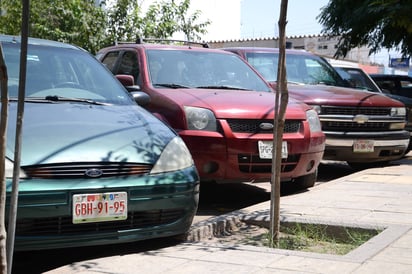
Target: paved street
<point x="373" y="198"/>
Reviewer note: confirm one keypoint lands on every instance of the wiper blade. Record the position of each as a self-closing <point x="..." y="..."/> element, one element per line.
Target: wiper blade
<point x="296" y="83"/>
<point x="221" y="87"/>
<point x="55" y="98"/>
<point x="171" y="86"/>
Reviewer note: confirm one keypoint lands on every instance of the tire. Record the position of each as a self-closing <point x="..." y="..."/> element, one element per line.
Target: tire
<point x="306" y="181"/>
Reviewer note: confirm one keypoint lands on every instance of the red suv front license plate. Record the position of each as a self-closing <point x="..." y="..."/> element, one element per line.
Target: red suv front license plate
<point x="265" y="149"/>
<point x="99" y="207"/>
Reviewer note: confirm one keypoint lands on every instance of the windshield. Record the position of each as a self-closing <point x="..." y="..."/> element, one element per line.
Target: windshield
<point x="62" y="74"/>
<point x="201" y="69"/>
<point x="300" y="69"/>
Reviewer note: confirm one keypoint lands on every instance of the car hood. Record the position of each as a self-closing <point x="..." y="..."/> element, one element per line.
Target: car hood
<point x="332" y="95"/>
<point x="65" y="132"/>
<point x="236" y="104"/>
<point x="406" y="100"/>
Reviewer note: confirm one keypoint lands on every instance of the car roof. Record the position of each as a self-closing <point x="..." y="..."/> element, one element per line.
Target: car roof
<point x="164" y="46"/>
<point x="35" y="41"/>
<point x="267" y="49"/>
<point x="391" y="76"/>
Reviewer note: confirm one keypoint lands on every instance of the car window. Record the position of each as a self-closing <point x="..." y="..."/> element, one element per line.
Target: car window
<point x="129" y="65"/>
<point x="406" y="84"/>
<point x="110" y="60"/>
<point x="302" y="69"/>
<point x="201" y="69"/>
<point x="357" y="79"/>
<point x="387" y="85"/>
<point x="53" y="71"/>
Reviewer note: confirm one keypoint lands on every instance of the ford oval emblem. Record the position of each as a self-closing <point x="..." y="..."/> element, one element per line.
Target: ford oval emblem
<point x="266" y="126"/>
<point x="361" y="119"/>
<point x="94" y="172"/>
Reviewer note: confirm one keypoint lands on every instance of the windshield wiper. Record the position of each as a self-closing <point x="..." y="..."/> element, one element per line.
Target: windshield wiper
<point x="55" y="98"/>
<point x="296" y="83"/>
<point x="222" y="87"/>
<point x="171" y="85"/>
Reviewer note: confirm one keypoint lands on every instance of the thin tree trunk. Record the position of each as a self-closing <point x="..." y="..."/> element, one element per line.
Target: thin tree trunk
<point x="3" y="130"/>
<point x="11" y="228"/>
<point x="281" y="101"/>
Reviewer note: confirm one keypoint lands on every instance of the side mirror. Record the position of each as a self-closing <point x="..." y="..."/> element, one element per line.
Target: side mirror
<point x="125" y="80"/>
<point x="142" y="98"/>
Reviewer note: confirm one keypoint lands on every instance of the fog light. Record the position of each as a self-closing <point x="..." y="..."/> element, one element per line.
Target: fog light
<point x="310" y="166"/>
<point x="210" y="167"/>
<point x="397" y="126"/>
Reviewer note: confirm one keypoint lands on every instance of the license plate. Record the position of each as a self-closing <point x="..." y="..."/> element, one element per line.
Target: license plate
<point x="265" y="149"/>
<point x="363" y="146"/>
<point x="99" y="207"/>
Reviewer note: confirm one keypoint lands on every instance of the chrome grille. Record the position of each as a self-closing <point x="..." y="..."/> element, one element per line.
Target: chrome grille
<point x="339" y="125"/>
<point x="336" y="110"/>
<point x="252" y="126"/>
<point x="63" y="225"/>
<point x="78" y="170"/>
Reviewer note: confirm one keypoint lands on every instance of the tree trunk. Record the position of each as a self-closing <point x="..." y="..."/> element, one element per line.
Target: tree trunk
<point x="3" y="130"/>
<point x="281" y="101"/>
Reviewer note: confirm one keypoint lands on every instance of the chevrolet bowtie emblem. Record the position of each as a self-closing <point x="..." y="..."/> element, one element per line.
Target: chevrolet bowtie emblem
<point x="361" y="119"/>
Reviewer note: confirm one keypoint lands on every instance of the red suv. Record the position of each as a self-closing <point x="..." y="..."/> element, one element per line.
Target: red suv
<point x="362" y="128"/>
<point x="222" y="109"/>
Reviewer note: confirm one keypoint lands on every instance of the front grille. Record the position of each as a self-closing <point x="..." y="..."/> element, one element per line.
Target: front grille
<point x="78" y="170"/>
<point x="254" y="164"/>
<point x="253" y="126"/>
<point x="374" y="111"/>
<point x="335" y="118"/>
<point x="353" y="126"/>
<point x="63" y="225"/>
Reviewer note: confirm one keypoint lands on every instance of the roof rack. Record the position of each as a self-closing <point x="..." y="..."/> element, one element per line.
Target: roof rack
<point x="142" y="40"/>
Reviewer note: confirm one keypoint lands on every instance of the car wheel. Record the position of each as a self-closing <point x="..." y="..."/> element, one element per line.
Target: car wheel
<point x="306" y="181"/>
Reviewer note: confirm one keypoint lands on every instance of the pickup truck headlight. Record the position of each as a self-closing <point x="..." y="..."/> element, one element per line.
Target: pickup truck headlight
<point x="398" y="112"/>
<point x="175" y="156"/>
<point x="313" y="120"/>
<point x="200" y="119"/>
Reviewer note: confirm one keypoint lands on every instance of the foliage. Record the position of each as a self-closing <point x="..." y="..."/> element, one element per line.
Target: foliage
<point x="78" y="22"/>
<point x="91" y="26"/>
<point x="123" y="21"/>
<point x="372" y="23"/>
<point x="165" y="18"/>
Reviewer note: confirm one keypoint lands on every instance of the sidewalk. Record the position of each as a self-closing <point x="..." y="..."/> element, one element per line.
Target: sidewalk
<point x="374" y="198"/>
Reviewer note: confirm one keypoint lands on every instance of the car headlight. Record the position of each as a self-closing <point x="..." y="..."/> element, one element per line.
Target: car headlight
<point x="200" y="119"/>
<point x="9" y="166"/>
<point x="398" y="112"/>
<point x="316" y="108"/>
<point x="175" y="156"/>
<point x="313" y="120"/>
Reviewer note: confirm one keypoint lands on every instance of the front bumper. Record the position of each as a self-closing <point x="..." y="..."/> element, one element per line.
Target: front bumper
<point x="157" y="207"/>
<point x="387" y="147"/>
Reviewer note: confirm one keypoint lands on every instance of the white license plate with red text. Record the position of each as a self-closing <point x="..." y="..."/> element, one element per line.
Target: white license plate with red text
<point x="266" y="147"/>
<point x="362" y="146"/>
<point x="99" y="207"/>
